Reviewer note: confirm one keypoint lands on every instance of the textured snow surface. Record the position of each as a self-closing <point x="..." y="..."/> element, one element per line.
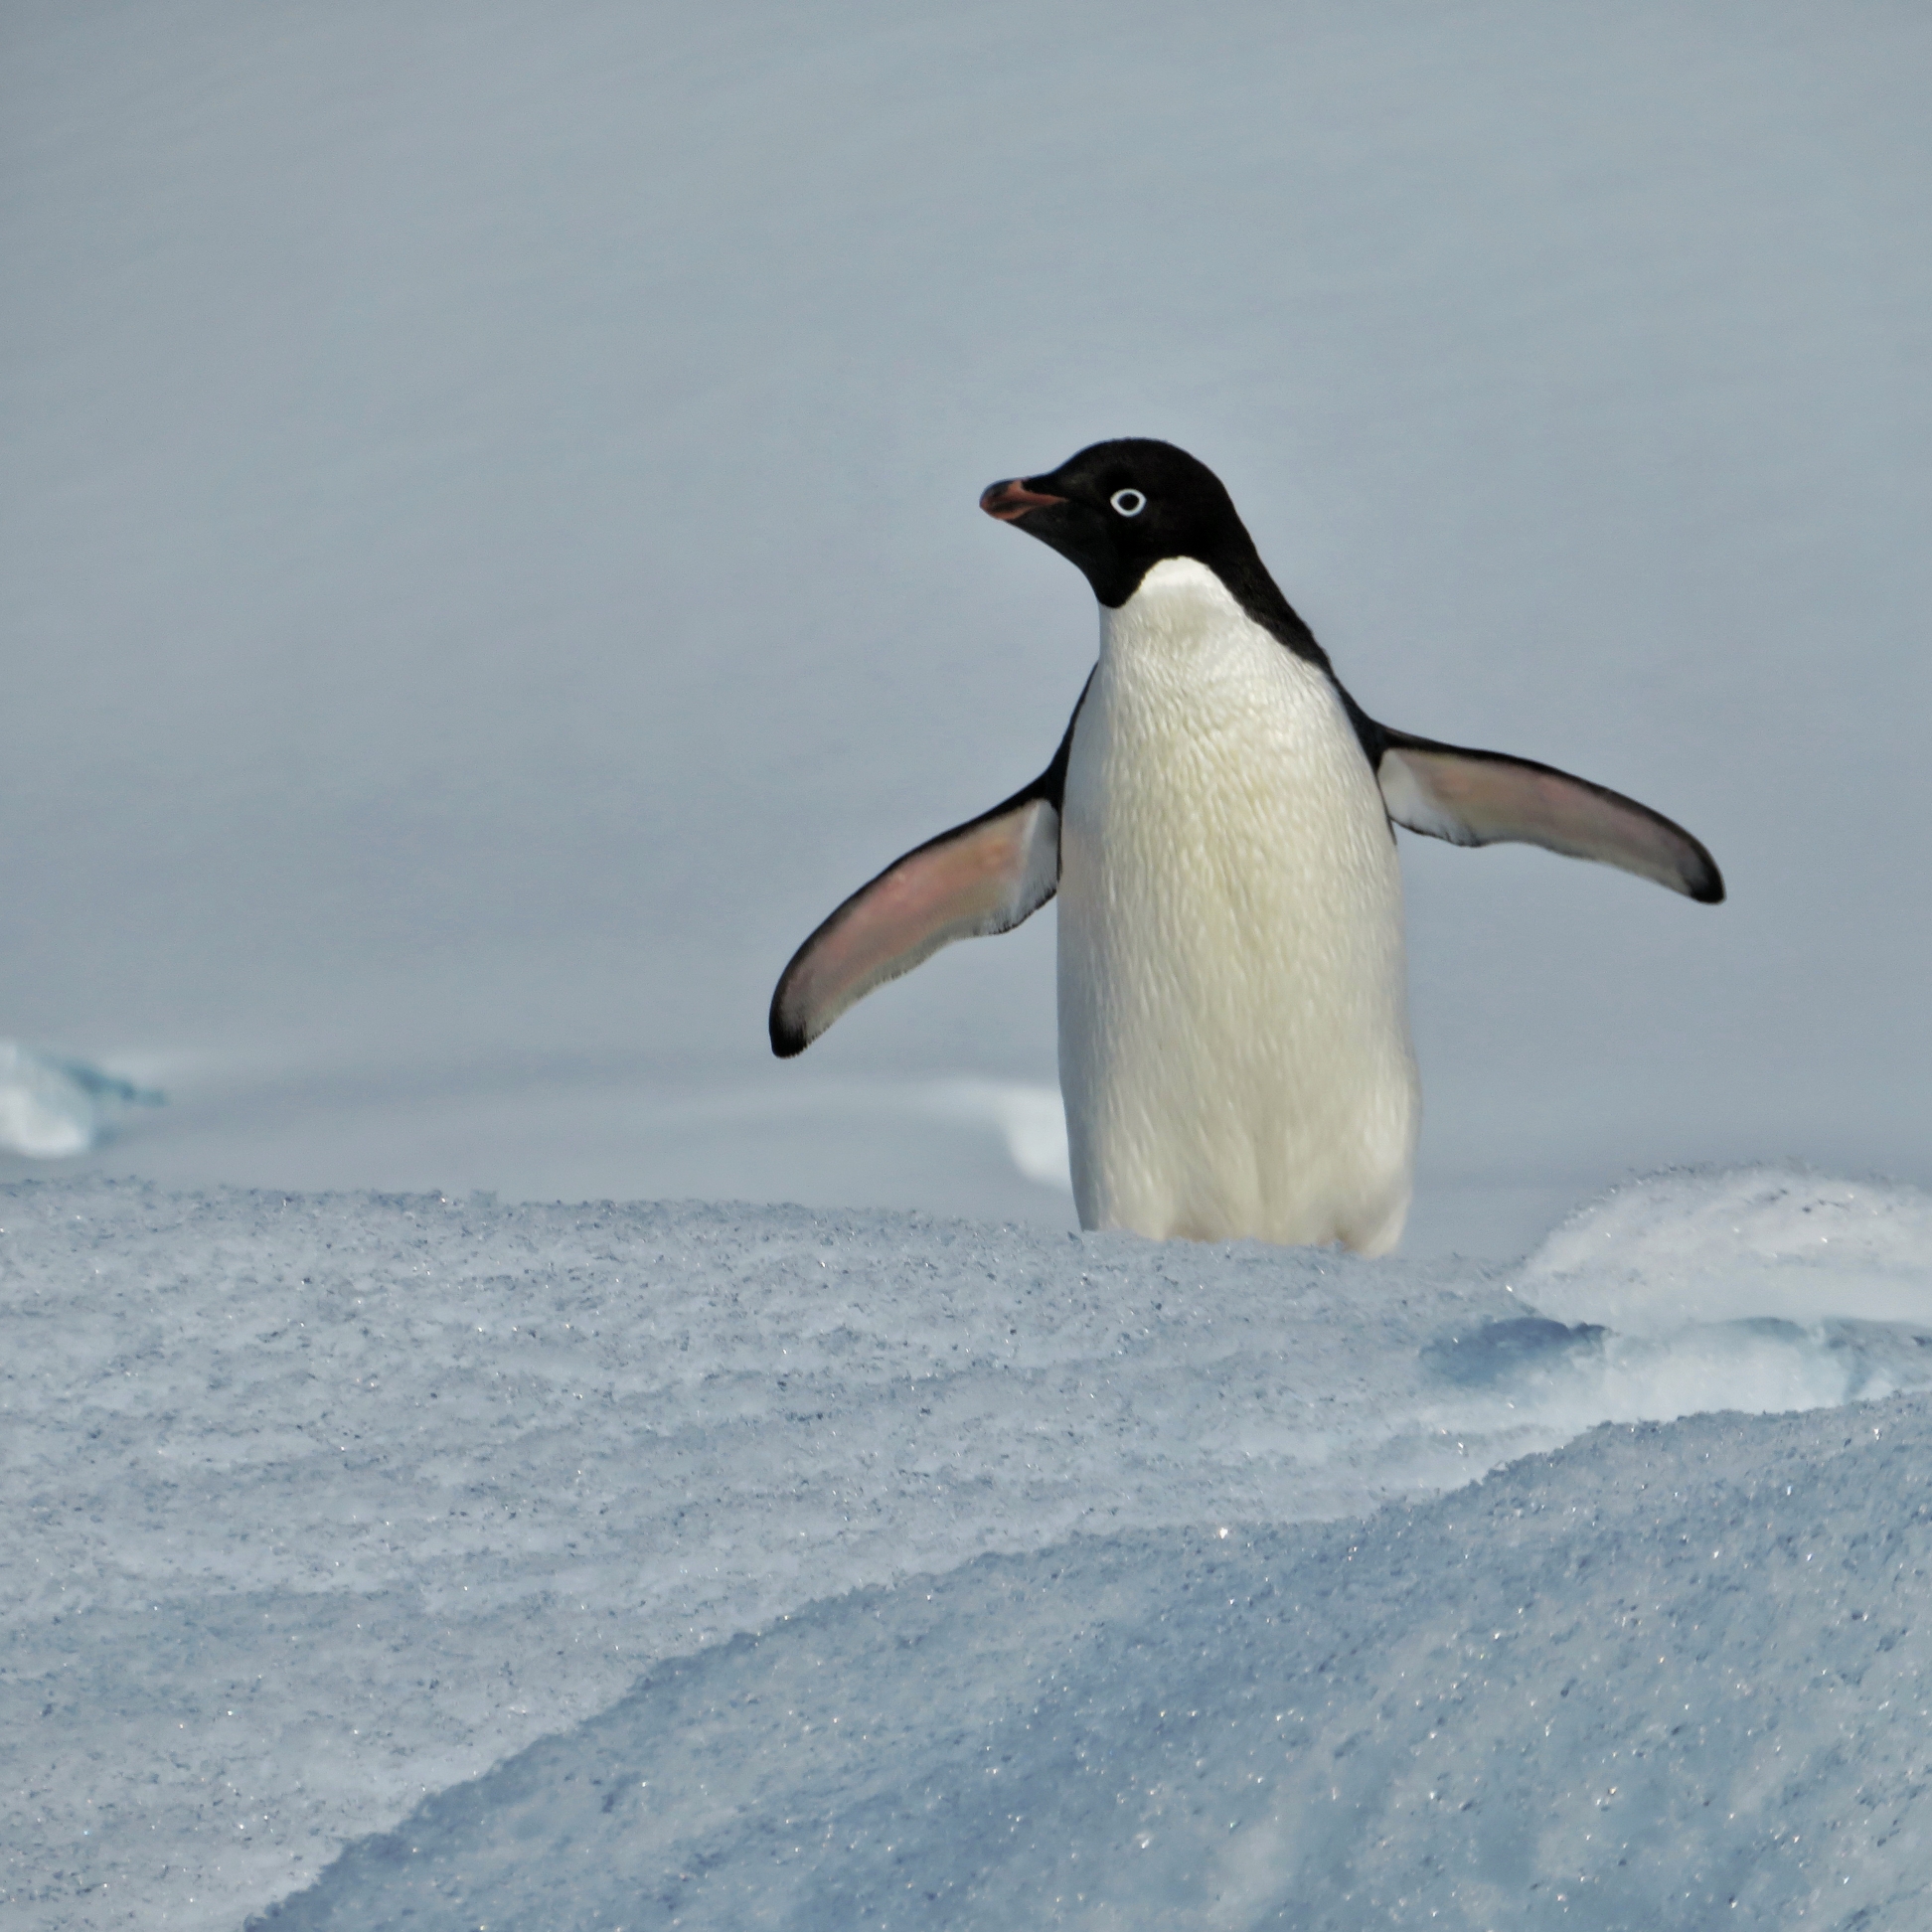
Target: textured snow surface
<point x="317" y="1508"/>
<point x="1663" y="1676"/>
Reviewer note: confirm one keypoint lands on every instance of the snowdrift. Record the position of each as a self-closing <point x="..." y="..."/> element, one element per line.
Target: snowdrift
<point x="1661" y="1674"/>
<point x="386" y="1560"/>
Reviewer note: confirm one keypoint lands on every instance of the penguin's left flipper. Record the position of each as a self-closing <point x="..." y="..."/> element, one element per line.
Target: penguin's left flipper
<point x="1476" y="798"/>
<point x="981" y="878"/>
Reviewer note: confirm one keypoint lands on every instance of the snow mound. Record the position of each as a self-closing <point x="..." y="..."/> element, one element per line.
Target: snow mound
<point x="1675" y="1249"/>
<point x="320" y="1506"/>
<point x="1665" y="1674"/>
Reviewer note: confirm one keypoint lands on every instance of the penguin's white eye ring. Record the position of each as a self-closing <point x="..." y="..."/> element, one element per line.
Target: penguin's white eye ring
<point x="1130" y="503"/>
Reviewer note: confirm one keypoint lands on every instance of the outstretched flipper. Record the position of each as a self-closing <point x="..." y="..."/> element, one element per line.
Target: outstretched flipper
<point x="1475" y="798"/>
<point x="981" y="878"/>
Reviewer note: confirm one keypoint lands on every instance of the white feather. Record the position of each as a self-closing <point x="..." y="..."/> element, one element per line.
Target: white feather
<point x="1233" y="1029"/>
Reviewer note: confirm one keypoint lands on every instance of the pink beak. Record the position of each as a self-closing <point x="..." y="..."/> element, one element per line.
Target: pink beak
<point x="1011" y="501"/>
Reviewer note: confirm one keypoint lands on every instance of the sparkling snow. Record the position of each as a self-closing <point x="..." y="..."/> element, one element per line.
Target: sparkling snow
<point x="321" y="1508"/>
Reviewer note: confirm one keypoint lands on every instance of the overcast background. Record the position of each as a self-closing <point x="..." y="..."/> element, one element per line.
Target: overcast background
<point x="488" y="553"/>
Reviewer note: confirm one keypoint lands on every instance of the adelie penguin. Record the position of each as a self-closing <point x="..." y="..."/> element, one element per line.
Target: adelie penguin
<point x="1234" y="1027"/>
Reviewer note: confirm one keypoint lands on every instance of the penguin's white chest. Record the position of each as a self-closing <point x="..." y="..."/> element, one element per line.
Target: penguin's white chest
<point x="1233" y="1029"/>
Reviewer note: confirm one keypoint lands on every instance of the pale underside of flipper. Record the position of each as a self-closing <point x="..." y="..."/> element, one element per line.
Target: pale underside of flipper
<point x="981" y="878"/>
<point x="1476" y="798"/>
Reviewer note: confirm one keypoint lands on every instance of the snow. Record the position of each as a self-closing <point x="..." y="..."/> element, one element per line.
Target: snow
<point x="1030" y="1118"/>
<point x="1759" y="1242"/>
<point x="355" y="1535"/>
<point x="1553" y="1701"/>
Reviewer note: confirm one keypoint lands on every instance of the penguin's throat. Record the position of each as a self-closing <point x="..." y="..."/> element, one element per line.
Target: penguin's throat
<point x="1180" y="610"/>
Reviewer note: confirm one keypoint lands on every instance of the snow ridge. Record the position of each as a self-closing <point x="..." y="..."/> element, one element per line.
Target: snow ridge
<point x="317" y="1505"/>
<point x="1663" y="1675"/>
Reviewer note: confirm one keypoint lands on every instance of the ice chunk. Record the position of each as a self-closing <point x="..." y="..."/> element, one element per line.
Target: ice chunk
<point x="52" y="1107"/>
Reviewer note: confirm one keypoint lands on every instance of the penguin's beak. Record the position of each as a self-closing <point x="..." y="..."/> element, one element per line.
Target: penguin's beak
<point x="1011" y="500"/>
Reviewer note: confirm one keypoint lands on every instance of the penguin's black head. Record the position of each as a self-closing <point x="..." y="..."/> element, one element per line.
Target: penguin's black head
<point x="1119" y="507"/>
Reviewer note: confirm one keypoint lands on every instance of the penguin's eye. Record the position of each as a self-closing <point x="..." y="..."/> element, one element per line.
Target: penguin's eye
<point x="1130" y="503"/>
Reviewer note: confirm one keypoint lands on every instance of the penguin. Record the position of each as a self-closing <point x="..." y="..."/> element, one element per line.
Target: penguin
<point x="1219" y="825"/>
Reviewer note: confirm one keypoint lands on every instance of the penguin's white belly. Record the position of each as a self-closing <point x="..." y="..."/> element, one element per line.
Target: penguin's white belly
<point x="1233" y="1029"/>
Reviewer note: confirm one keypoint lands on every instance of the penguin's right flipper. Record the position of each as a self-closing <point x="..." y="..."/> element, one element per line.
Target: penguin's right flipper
<point x="983" y="876"/>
